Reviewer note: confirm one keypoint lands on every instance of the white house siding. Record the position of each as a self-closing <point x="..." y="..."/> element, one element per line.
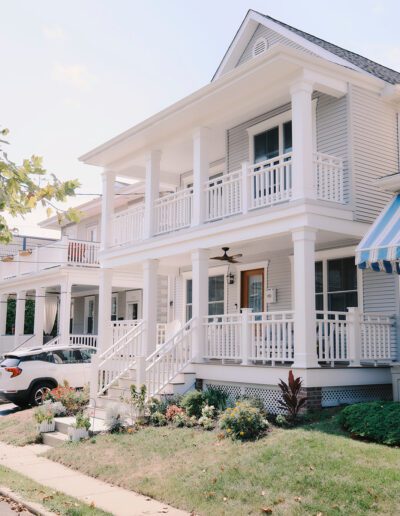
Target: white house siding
<point x="279" y="276"/>
<point x="374" y="148"/>
<point x="272" y="37"/>
<point x="381" y="294"/>
<point x="332" y="134"/>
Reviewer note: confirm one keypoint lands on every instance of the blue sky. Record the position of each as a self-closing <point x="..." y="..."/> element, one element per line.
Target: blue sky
<point x="77" y="72"/>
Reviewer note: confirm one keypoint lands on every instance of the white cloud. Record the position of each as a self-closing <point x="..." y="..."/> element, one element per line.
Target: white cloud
<point x="77" y="76"/>
<point x="53" y="32"/>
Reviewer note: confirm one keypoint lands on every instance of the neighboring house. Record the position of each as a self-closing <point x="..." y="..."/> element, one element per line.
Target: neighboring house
<point x="62" y="278"/>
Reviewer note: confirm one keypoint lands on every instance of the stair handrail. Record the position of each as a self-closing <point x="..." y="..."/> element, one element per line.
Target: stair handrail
<point x="121" y="362"/>
<point x="157" y="380"/>
<point x="120" y="343"/>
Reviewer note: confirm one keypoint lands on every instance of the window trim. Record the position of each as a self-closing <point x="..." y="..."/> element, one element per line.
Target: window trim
<point x="114" y="296"/>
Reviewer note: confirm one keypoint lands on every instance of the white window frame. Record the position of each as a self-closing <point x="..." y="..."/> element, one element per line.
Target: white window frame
<point x="86" y="313"/>
<point x="222" y="270"/>
<point x="279" y="120"/>
<point x="114" y="296"/>
<point x="332" y="254"/>
<point x="95" y="229"/>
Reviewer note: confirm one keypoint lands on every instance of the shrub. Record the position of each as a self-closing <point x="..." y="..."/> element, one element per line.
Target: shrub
<point x="193" y="402"/>
<point x="158" y="419"/>
<point x="114" y="421"/>
<point x="73" y="400"/>
<point x="376" y="421"/>
<point x="81" y="421"/>
<point x="243" y="421"/>
<point x="208" y="414"/>
<point x="216" y="397"/>
<point x="172" y="411"/>
<point x="56" y="408"/>
<point x="291" y="399"/>
<point x="167" y="401"/>
<point x="254" y="402"/>
<point x="280" y="420"/>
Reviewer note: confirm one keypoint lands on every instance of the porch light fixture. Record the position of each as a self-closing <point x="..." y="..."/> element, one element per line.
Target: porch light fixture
<point x="230" y="278"/>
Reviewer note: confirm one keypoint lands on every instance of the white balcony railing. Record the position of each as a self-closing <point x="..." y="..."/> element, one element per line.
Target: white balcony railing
<point x="270" y="181"/>
<point x="128" y="225"/>
<point x="377" y="337"/>
<point x="329" y="177"/>
<point x="254" y="186"/>
<point x="83" y="253"/>
<point x="223" y="196"/>
<point x="173" y="211"/>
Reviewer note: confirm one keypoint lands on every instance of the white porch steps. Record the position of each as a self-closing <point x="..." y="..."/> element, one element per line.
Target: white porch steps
<point x="60" y="436"/>
<point x="179" y="385"/>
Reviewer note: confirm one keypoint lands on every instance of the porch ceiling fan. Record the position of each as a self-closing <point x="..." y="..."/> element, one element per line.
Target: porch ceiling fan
<point x="226" y="258"/>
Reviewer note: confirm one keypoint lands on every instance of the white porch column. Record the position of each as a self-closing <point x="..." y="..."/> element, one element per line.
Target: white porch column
<point x="40" y="294"/>
<point x="104" y="329"/>
<point x="152" y="190"/>
<point x="201" y="164"/>
<point x="3" y="313"/>
<point x="150" y="305"/>
<point x="199" y="300"/>
<point x="65" y="310"/>
<point x="302" y="132"/>
<point x="107" y="209"/>
<point x="19" y="316"/>
<point x="305" y="352"/>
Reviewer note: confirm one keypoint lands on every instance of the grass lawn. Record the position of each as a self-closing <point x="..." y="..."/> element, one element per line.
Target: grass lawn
<point x="18" y="429"/>
<point x="314" y="469"/>
<point x="52" y="500"/>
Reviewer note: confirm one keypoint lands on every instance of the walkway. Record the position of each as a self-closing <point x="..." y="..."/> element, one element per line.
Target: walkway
<point x="119" y="502"/>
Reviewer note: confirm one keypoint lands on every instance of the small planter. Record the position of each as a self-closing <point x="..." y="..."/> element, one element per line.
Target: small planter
<point x="45" y="427"/>
<point x="76" y="434"/>
<point x="7" y="258"/>
<point x="25" y="252"/>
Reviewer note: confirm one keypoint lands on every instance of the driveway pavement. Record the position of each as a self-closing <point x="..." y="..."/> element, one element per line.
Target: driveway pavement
<point x="6" y="409"/>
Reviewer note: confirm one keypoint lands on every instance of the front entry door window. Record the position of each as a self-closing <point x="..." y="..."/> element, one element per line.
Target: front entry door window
<point x="252" y="290"/>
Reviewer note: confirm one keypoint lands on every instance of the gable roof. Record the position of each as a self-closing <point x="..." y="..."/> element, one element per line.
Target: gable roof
<point x="363" y="63"/>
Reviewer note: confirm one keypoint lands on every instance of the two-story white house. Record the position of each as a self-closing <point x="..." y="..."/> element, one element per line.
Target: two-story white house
<point x="272" y="168"/>
<point x="58" y="280"/>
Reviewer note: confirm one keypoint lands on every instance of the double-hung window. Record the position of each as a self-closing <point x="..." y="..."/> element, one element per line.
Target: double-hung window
<point x="337" y="289"/>
<point x="216" y="296"/>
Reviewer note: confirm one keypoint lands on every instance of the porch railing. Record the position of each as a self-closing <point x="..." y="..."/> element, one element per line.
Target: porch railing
<point x="128" y="225"/>
<point x="329" y="177"/>
<point x="270" y="181"/>
<point x="223" y="337"/>
<point x="173" y="211"/>
<point x="377" y="337"/>
<point x="120" y="357"/>
<point x="120" y="328"/>
<point x="223" y="196"/>
<point x="83" y="340"/>
<point x="83" y="253"/>
<point x="332" y="336"/>
<point x="162" y="366"/>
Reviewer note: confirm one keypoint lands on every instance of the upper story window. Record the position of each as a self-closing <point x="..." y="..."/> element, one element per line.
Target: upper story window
<point x="92" y="234"/>
<point x="273" y="142"/>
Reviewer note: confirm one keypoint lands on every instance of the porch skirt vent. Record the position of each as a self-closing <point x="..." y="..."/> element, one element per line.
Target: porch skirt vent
<point x="334" y="396"/>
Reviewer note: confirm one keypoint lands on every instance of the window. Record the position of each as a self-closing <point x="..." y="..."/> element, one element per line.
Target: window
<point x="114" y="307"/>
<point x="339" y="288"/>
<point x="92" y="233"/>
<point x="273" y="142"/>
<point x="133" y="311"/>
<point x="216" y="296"/>
<point x="67" y="356"/>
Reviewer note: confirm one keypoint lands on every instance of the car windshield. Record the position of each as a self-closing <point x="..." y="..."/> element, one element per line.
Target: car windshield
<point x="10" y="362"/>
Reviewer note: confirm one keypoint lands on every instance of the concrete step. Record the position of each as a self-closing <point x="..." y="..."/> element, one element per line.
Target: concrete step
<point x="54" y="439"/>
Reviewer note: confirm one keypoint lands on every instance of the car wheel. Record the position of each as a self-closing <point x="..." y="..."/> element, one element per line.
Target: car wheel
<point x="38" y="392"/>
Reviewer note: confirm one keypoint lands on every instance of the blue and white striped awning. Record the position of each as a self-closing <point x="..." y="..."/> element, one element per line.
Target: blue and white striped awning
<point x="379" y="250"/>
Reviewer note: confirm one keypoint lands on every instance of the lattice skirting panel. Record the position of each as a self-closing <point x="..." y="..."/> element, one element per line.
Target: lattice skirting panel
<point x="269" y="394"/>
<point x="334" y="396"/>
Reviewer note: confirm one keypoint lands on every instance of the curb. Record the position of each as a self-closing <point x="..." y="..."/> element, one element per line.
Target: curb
<point x="33" y="507"/>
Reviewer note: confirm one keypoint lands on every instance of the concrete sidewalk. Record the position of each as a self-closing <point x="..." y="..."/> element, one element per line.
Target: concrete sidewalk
<point x="120" y="502"/>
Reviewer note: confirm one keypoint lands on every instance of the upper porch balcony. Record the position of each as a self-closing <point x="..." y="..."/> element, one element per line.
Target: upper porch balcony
<point x="260" y="185"/>
<point x="61" y="252"/>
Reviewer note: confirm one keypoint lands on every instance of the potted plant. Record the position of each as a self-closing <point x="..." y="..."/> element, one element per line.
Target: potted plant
<point x="45" y="420"/>
<point x="8" y="258"/>
<point x="25" y="252"/>
<point x="80" y="429"/>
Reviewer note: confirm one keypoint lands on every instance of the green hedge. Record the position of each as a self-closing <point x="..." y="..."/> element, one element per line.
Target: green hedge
<point x="377" y="421"/>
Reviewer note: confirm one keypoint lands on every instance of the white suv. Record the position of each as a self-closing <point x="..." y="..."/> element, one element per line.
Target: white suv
<point x="26" y="374"/>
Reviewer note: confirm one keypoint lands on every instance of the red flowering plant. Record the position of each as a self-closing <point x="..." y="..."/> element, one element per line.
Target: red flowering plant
<point x="172" y="411"/>
<point x="72" y="399"/>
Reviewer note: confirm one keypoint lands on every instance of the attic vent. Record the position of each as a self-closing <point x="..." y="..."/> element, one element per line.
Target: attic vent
<point x="260" y="46"/>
